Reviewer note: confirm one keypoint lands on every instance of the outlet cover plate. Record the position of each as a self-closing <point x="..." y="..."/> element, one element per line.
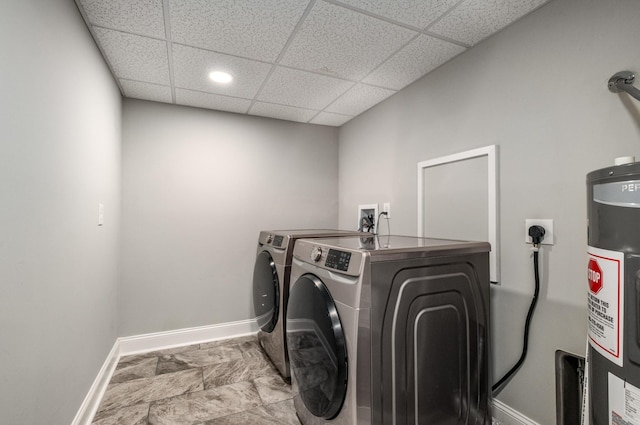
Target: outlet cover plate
<point x="386" y="207"/>
<point x="548" y="230"/>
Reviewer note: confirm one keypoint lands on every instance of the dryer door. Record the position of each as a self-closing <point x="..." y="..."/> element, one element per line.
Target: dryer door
<point x="317" y="347"/>
<point x="266" y="292"/>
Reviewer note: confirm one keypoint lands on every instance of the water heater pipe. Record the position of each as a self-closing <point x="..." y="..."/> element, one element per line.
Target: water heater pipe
<point x="623" y="81"/>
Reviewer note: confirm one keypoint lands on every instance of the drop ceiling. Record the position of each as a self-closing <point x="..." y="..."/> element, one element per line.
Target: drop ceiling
<point x="313" y="61"/>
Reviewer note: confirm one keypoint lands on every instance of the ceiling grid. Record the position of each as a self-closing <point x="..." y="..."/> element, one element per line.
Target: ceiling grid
<point x="167" y="34"/>
<point x="317" y="61"/>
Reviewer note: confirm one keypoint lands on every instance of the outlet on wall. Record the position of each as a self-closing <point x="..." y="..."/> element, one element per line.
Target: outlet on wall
<point x="100" y="214"/>
<point x="386" y="207"/>
<point x="548" y="230"/>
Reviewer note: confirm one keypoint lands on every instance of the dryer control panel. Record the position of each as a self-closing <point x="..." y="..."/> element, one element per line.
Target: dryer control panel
<point x="338" y="260"/>
<point x="325" y="254"/>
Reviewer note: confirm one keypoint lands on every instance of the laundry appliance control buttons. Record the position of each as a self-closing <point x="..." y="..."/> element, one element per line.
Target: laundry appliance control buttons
<point x="316" y="254"/>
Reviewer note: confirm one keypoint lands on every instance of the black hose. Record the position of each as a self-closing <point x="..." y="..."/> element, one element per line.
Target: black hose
<point x="527" y="325"/>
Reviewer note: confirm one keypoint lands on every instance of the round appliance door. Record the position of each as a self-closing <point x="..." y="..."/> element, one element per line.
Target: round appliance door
<point x="266" y="292"/>
<point x="317" y="347"/>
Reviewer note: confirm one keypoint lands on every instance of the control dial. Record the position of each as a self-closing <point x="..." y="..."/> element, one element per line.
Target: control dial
<point x="316" y="254"/>
<point x="269" y="238"/>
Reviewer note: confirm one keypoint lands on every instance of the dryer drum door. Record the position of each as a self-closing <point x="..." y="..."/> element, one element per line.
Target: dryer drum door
<point x="317" y="347"/>
<point x="266" y="292"/>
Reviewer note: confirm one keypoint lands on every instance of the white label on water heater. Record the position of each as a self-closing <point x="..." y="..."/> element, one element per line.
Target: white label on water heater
<point x="605" y="277"/>
<point x="624" y="402"/>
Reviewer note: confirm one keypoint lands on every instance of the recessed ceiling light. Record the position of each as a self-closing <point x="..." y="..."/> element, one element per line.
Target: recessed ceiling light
<point x="220" y="77"/>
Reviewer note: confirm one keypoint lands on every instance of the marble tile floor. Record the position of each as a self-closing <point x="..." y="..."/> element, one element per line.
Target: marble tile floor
<point x="229" y="382"/>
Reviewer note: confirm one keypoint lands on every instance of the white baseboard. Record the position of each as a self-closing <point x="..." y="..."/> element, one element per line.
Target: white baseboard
<point x="151" y="342"/>
<point x="162" y="340"/>
<point x="505" y="415"/>
<point x="94" y="396"/>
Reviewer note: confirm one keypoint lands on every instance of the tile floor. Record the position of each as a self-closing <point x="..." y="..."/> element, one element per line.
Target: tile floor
<point x="217" y="383"/>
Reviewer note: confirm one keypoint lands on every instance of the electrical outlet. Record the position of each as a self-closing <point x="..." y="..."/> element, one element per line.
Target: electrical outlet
<point x="386" y="207"/>
<point x="100" y="214"/>
<point x="548" y="230"/>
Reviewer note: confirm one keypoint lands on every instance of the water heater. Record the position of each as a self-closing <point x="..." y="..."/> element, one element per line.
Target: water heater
<point x="613" y="274"/>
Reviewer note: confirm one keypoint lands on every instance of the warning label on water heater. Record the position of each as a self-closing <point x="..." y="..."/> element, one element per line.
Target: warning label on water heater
<point x="624" y="402"/>
<point x="605" y="277"/>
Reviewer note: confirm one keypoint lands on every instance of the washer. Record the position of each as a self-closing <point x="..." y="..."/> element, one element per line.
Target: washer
<point x="271" y="287"/>
<point x="390" y="331"/>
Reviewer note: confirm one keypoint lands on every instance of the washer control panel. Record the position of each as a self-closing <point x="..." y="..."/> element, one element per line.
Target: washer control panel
<point x="277" y="240"/>
<point x="338" y="260"/>
<point x="271" y="239"/>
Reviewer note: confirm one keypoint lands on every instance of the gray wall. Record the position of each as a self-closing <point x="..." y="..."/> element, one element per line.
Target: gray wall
<point x="538" y="90"/>
<point x="190" y="221"/>
<point x="198" y="186"/>
<point x="60" y="115"/>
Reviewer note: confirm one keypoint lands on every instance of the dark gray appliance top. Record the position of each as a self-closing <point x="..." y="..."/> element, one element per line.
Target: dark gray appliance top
<point x="350" y="255"/>
<point x="615" y="172"/>
<point x="389" y="244"/>
<point x="310" y="233"/>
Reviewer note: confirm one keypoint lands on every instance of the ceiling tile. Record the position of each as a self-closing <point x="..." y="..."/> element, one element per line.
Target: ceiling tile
<point x="340" y="42"/>
<point x="304" y="89"/>
<point x="256" y="29"/>
<point x="418" y="13"/>
<point x="340" y="57"/>
<point x="192" y="67"/>
<point x="358" y="99"/>
<point x="419" y="57"/>
<point x="135" y="57"/>
<point x="146" y="91"/>
<point x="144" y="17"/>
<point x="328" y="118"/>
<point x="212" y="101"/>
<point x="282" y="112"/>
<point x="473" y="20"/>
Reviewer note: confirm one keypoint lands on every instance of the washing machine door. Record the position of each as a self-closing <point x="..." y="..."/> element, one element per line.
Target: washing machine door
<point x="317" y="347"/>
<point x="266" y="292"/>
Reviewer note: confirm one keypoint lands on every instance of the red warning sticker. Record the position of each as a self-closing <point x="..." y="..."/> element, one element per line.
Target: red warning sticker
<point x="605" y="277"/>
<point x="594" y="275"/>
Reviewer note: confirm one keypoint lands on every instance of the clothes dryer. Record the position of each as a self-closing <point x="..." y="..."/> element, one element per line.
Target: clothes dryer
<point x="271" y="287"/>
<point x="390" y="331"/>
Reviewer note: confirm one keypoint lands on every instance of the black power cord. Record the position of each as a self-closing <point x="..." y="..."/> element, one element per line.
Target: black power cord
<point x="386" y="216"/>
<point x="537" y="234"/>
